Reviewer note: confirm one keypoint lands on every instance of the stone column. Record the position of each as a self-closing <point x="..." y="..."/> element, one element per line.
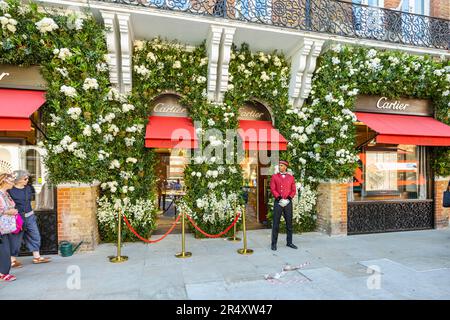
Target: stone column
<point x="332" y="208"/>
<point x="77" y="214"/>
<point x="441" y="214"/>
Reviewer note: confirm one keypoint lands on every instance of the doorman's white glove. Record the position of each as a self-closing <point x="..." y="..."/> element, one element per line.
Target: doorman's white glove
<point x="283" y="202"/>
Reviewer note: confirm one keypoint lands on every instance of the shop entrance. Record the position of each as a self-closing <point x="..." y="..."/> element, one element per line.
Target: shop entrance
<point x="169" y="170"/>
<point x="261" y="143"/>
<point x="256" y="189"/>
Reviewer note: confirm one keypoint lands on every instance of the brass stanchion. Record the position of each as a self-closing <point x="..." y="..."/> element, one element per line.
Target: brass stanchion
<point x="234" y="238"/>
<point x="244" y="250"/>
<point x="183" y="253"/>
<point x="119" y="258"/>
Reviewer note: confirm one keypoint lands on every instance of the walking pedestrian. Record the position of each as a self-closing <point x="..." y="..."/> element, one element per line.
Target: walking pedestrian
<point x="283" y="189"/>
<point x="22" y="194"/>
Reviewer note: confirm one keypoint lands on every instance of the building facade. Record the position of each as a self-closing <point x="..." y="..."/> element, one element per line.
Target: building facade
<point x="394" y="186"/>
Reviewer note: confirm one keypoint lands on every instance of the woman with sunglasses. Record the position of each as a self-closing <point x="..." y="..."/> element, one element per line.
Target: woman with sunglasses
<point x="22" y="194"/>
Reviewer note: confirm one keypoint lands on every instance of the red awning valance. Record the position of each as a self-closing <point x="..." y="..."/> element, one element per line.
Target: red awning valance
<point x="16" y="107"/>
<point x="404" y="129"/>
<point x="261" y="135"/>
<point x="170" y="132"/>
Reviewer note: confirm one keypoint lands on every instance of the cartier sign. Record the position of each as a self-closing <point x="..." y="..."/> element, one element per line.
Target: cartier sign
<point x="168" y="106"/>
<point x="382" y="104"/>
<point x="254" y="111"/>
<point x="15" y="77"/>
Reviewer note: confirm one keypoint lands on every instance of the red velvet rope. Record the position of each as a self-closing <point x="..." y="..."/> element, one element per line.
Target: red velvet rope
<point x="214" y="235"/>
<point x="147" y="240"/>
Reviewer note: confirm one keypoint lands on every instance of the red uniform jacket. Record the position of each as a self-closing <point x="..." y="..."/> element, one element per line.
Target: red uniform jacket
<point x="284" y="187"/>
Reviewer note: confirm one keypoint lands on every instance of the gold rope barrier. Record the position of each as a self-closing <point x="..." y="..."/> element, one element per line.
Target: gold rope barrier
<point x="244" y="250"/>
<point x="183" y="253"/>
<point x="118" y="258"/>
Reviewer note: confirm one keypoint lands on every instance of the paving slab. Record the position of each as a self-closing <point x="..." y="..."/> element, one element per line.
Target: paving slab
<point x="412" y="265"/>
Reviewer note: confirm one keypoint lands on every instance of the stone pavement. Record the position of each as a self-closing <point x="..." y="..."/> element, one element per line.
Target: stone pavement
<point x="402" y="265"/>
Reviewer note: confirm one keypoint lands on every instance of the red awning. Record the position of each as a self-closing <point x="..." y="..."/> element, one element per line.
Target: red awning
<point x="170" y="132"/>
<point x="404" y="129"/>
<point x="261" y="135"/>
<point x="16" y="107"/>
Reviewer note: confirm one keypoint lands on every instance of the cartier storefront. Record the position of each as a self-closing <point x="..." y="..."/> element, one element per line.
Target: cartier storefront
<point x="392" y="188"/>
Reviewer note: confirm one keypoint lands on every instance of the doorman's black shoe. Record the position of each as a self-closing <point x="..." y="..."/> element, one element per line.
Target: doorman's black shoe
<point x="274" y="247"/>
<point x="291" y="245"/>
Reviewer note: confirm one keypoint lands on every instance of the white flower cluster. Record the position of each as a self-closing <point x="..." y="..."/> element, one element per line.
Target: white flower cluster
<point x="218" y="209"/>
<point x="176" y="65"/>
<point x="90" y="83"/>
<point x="115" y="95"/>
<point x="115" y="164"/>
<point x="203" y="62"/>
<point x="67" y="144"/>
<point x="111" y="185"/>
<point x="62" y="53"/>
<point x="8" y="23"/>
<point x="305" y="205"/>
<point x="68" y="91"/>
<point x="46" y="25"/>
<point x="344" y="156"/>
<point x="4" y="6"/>
<point x="264" y="77"/>
<point x="74" y="113"/>
<point x="63" y="72"/>
<point x="101" y="67"/>
<point x="102" y="155"/>
<point x="142" y="71"/>
<point x="127" y="107"/>
<point x="140" y="214"/>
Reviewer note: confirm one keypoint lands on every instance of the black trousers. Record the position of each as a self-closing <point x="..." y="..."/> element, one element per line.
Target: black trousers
<point x="5" y="254"/>
<point x="287" y="214"/>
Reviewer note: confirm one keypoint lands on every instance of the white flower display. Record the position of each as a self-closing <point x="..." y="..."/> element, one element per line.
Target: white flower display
<point x="142" y="71"/>
<point x="80" y="153"/>
<point x="211" y="122"/>
<point x="176" y="65"/>
<point x="127" y="107"/>
<point x="68" y="91"/>
<point x="203" y="61"/>
<point x="8" y="23"/>
<point x="87" y="131"/>
<point x="371" y="53"/>
<point x="129" y="142"/>
<point x="131" y="160"/>
<point x="90" y="83"/>
<point x="74" y="113"/>
<point x="151" y="57"/>
<point x="46" y="25"/>
<point x="335" y="60"/>
<point x="264" y="77"/>
<point x="4" y="6"/>
<point x="63" y="72"/>
<point x="115" y="164"/>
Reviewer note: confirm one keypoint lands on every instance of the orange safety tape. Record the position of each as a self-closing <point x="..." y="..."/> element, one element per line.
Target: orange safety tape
<point x="147" y="240"/>
<point x="214" y="235"/>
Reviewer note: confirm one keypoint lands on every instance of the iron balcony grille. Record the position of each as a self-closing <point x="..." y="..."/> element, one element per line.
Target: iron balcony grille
<point x="325" y="16"/>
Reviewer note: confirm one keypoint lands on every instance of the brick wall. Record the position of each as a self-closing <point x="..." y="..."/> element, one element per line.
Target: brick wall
<point x="77" y="215"/>
<point x="440" y="9"/>
<point x="441" y="214"/>
<point x="332" y="208"/>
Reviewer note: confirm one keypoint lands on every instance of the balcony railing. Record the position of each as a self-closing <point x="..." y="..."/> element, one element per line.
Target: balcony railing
<point x="324" y="16"/>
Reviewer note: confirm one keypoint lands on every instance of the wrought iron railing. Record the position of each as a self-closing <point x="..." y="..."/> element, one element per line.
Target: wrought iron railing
<point x="324" y="16"/>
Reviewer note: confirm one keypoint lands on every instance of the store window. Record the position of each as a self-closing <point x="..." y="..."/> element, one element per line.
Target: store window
<point x="44" y="198"/>
<point x="391" y="172"/>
